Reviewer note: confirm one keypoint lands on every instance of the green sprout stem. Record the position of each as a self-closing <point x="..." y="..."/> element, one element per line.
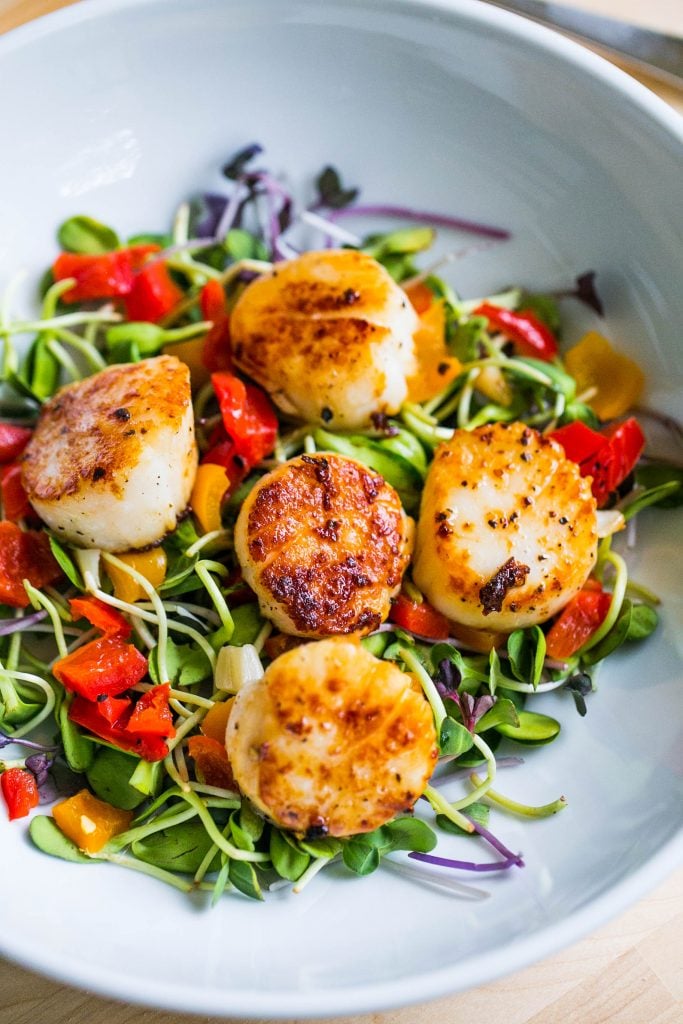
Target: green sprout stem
<point x="526" y="810"/>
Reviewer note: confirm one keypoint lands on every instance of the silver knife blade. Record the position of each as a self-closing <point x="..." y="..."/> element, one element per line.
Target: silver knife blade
<point x="656" y="53"/>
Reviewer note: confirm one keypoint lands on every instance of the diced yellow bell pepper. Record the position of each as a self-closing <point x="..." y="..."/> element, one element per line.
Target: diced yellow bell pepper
<point x="150" y="564"/>
<point x="90" y="822"/>
<point x="617" y="379"/>
<point x="436" y="367"/>
<point x="210" y="485"/>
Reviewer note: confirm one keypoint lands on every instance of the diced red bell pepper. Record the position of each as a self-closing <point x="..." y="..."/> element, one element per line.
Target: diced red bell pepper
<point x="20" y="790"/>
<point x="113" y="709"/>
<point x="24" y="554"/>
<point x="13" y="440"/>
<point x="153" y="294"/>
<point x="106" y="275"/>
<point x="529" y="335"/>
<point x="152" y="715"/>
<point x="580" y="443"/>
<point x="102" y="616"/>
<point x="608" y="457"/>
<point x="216" y="349"/>
<point x="419" y="617"/>
<point x="577" y="622"/>
<point x="107" y="666"/>
<point x="15" y="503"/>
<point x="248" y="416"/>
<point x="86" y="714"/>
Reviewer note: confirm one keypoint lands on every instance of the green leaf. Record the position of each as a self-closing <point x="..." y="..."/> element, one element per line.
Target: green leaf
<point x="408" y="833"/>
<point x="240" y="836"/>
<point x="78" y="752"/>
<point x="148" y="338"/>
<point x="247" y="622"/>
<point x="181" y="847"/>
<point x="614" y="639"/>
<point x="84" y="235"/>
<point x="109" y="778"/>
<point x="186" y="663"/>
<point x="665" y="495"/>
<point x="503" y="712"/>
<point x="328" y="847"/>
<point x="242" y="245"/>
<point x="361" y="856"/>
<point x="455" y="739"/>
<point x="47" y="837"/>
<point x="655" y="475"/>
<point x="399" y="243"/>
<point x="251" y="822"/>
<point x="526" y="648"/>
<point x="243" y="876"/>
<point x="533" y="729"/>
<point x="66" y="564"/>
<point x="644" y="621"/>
<point x="289" y="860"/>
<point x="477" y="812"/>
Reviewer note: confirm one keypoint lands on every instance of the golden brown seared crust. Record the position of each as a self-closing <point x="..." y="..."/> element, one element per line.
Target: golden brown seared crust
<point x="324" y="542"/>
<point x="332" y="741"/>
<point x="329" y="335"/>
<point x="507" y="531"/>
<point x="91" y="432"/>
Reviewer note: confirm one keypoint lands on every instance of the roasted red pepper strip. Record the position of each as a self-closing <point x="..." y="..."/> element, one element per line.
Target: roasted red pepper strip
<point x="214" y="307"/>
<point x="529" y="335"/>
<point x="15" y="503"/>
<point x="104" y="667"/>
<point x="152" y="715"/>
<point x="101" y="616"/>
<point x="86" y="714"/>
<point x="577" y="622"/>
<point x="20" y="790"/>
<point x="248" y="417"/>
<point x="153" y="294"/>
<point x="608" y="457"/>
<point x="106" y="275"/>
<point x="420" y="618"/>
<point x="24" y="554"/>
<point x="13" y="440"/>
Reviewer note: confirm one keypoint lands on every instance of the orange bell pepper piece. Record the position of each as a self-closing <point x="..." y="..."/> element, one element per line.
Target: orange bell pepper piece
<point x="90" y="822"/>
<point x="210" y="486"/>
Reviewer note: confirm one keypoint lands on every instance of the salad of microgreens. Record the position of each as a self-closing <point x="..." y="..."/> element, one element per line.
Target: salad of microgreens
<point x="135" y="771"/>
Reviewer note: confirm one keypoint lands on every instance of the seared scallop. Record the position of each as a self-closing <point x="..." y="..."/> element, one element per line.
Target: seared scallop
<point x="332" y="741"/>
<point x="329" y="335"/>
<point x="113" y="457"/>
<point x="507" y="532"/>
<point x="324" y="542"/>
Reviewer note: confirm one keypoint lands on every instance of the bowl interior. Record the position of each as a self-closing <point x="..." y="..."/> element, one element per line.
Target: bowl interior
<point x="121" y="110"/>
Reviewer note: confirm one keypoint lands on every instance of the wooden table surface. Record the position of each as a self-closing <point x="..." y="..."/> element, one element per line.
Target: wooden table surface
<point x="629" y="972"/>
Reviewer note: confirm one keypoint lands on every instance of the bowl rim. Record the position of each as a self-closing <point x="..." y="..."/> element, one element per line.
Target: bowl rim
<point x="426" y="986"/>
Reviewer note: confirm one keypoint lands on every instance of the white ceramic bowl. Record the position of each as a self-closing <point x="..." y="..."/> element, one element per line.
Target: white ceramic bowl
<point x="120" y="108"/>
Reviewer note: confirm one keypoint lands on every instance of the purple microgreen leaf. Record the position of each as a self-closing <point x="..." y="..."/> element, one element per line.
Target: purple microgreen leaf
<point x="331" y="192"/>
<point x="236" y="167"/>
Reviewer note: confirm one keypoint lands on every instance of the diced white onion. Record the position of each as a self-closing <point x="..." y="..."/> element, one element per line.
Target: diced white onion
<point x="237" y="667"/>
<point x="610" y="520"/>
<point x="88" y="562"/>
